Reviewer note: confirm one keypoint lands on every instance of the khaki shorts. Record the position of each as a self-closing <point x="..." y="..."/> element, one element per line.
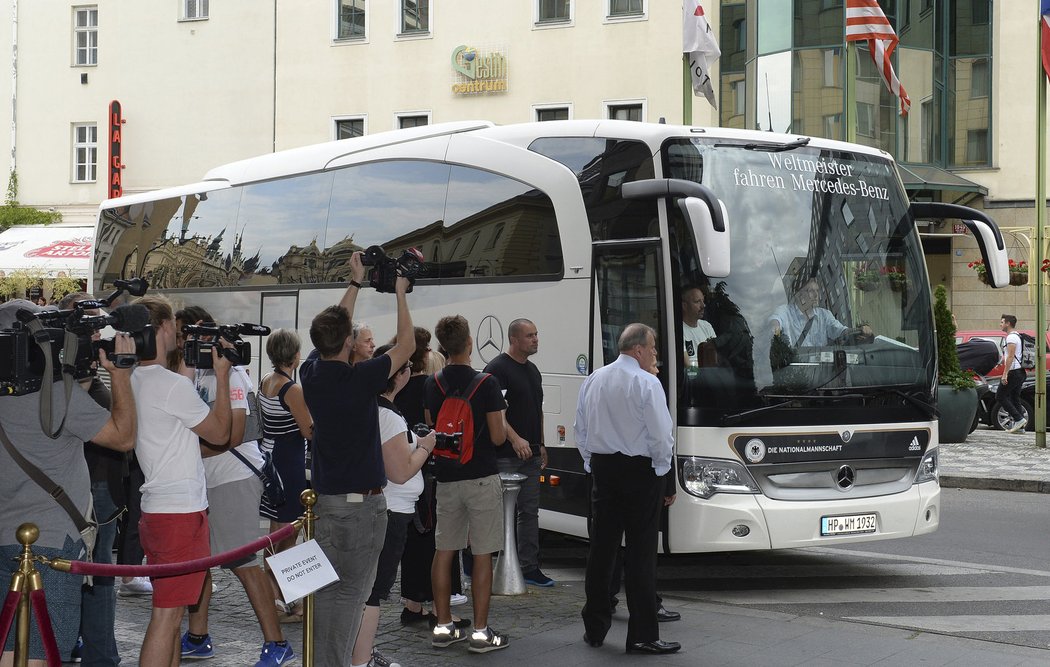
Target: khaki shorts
<point x="470" y="510"/>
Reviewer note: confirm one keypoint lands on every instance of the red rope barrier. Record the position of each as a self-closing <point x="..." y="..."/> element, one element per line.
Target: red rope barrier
<point x="172" y="569"/>
<point x="47" y="633"/>
<point x="7" y="616"/>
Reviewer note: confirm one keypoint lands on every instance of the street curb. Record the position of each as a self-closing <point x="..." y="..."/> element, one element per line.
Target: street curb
<point x="995" y="484"/>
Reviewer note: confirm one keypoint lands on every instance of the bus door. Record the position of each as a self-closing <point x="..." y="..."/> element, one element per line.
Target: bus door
<point x="278" y="310"/>
<point x="629" y="286"/>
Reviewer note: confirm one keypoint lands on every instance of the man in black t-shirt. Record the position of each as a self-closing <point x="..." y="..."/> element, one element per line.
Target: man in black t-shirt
<point x="524" y="451"/>
<point x="469" y="495"/>
<point x="348" y="473"/>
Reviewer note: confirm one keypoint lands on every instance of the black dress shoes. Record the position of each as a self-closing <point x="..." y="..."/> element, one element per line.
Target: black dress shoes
<point x="595" y="643"/>
<point x="665" y="616"/>
<point x="656" y="647"/>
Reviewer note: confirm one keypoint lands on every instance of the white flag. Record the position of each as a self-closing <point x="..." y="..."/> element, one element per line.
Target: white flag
<point x="698" y="42"/>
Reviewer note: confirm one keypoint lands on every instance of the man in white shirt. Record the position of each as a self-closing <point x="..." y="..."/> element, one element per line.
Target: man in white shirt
<point x="1009" y="393"/>
<point x="804" y="323"/>
<point x="695" y="330"/>
<point x="624" y="433"/>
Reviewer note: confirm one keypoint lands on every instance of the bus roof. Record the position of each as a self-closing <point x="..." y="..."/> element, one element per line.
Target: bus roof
<point x="319" y="156"/>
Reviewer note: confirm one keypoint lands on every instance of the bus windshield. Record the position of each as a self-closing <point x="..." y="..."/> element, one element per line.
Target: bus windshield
<point x="827" y="305"/>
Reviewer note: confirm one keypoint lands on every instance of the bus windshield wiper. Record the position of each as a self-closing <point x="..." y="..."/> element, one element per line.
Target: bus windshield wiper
<point x="769" y="147"/>
<point x="790" y="399"/>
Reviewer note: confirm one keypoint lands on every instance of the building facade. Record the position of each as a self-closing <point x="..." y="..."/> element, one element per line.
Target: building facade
<point x="201" y="83"/>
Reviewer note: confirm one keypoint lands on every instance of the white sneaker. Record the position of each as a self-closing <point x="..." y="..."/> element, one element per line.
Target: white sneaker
<point x="135" y="587"/>
<point x="457" y="600"/>
<point x="1018" y="425"/>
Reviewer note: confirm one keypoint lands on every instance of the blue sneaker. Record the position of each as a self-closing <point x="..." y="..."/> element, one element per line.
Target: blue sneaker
<point x="202" y="651"/>
<point x="274" y="654"/>
<point x="78" y="649"/>
<point x="537" y="578"/>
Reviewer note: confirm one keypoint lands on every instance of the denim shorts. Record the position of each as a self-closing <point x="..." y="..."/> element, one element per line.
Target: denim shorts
<point x="61" y="590"/>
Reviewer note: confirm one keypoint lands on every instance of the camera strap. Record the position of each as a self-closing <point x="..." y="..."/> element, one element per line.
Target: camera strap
<point x="69" y="352"/>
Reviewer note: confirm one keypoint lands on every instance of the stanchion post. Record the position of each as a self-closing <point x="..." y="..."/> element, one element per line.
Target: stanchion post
<point x="308" y="498"/>
<point x="25" y="580"/>
<point x="507" y="578"/>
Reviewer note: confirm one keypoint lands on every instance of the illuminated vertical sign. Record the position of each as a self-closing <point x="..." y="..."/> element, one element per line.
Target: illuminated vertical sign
<point x="115" y="121"/>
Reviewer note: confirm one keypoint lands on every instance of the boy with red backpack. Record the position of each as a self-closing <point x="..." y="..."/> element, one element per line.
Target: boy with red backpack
<point x="467" y="407"/>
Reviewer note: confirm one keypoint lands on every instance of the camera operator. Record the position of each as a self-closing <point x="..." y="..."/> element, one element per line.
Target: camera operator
<point x="234" y="492"/>
<point x="174" y="523"/>
<point x="61" y="459"/>
<point x="348" y="472"/>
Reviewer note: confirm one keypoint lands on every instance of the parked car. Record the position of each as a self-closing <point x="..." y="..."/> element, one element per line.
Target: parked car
<point x="996" y="337"/>
<point x="992" y="413"/>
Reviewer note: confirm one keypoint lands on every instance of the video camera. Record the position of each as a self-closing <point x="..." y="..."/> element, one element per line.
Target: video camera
<point x="62" y="341"/>
<point x="197" y="352"/>
<point x="443" y="441"/>
<point x="385" y="269"/>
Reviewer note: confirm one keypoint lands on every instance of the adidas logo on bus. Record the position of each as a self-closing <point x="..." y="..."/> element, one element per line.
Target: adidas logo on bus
<point x="915" y="446"/>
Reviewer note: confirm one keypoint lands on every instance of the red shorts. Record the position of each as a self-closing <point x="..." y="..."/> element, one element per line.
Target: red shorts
<point x="175" y="538"/>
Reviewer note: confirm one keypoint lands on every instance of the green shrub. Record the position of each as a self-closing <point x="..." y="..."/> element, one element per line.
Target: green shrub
<point x="948" y="371"/>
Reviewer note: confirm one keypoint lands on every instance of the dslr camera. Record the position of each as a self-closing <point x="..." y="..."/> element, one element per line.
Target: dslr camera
<point x="62" y="341"/>
<point x="443" y="441"/>
<point x="385" y="269"/>
<point x="201" y="338"/>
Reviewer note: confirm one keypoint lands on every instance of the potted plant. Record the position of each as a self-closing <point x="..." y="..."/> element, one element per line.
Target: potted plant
<point x="1018" y="272"/>
<point x="982" y="271"/>
<point x="866" y="278"/>
<point x="897" y="277"/>
<point x="956" y="390"/>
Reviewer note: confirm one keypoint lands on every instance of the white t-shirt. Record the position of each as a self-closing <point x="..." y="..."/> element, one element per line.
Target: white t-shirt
<point x="693" y="336"/>
<point x="167" y="407"/>
<point x="1015" y="362"/>
<point x="226" y="467"/>
<point x="400" y="498"/>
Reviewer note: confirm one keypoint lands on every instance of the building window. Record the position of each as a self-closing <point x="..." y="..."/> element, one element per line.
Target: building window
<point x="348" y="128"/>
<point x="865" y="119"/>
<point x="85" y="152"/>
<point x="85" y="35"/>
<point x="554" y="11"/>
<point x="412" y="120"/>
<point x="739" y="97"/>
<point x="618" y="8"/>
<point x="552" y="113"/>
<point x="833" y="126"/>
<point x="977" y="146"/>
<point x="980" y="79"/>
<point x="194" y="10"/>
<point x="415" y="16"/>
<point x="351" y="19"/>
<point x="831" y="68"/>
<point x="625" y="112"/>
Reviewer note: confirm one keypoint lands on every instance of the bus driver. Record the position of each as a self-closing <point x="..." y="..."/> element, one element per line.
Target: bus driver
<point x="803" y="322"/>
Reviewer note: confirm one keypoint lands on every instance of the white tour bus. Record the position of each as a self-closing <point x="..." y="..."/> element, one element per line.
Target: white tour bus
<point x="822" y="436"/>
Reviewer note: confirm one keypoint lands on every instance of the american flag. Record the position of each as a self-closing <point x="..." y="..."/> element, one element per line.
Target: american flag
<point x="1044" y="41"/>
<point x="866" y="22"/>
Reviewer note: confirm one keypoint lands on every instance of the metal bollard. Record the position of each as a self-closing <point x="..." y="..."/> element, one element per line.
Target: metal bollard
<point x="507" y="579"/>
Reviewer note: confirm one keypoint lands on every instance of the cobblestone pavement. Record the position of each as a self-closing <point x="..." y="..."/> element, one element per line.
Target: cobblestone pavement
<point x="544" y="625"/>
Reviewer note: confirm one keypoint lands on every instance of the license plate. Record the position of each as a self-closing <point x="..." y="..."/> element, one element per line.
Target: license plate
<point x="850" y="524"/>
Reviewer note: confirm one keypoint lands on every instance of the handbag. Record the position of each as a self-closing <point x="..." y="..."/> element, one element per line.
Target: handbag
<point x="273" y="486"/>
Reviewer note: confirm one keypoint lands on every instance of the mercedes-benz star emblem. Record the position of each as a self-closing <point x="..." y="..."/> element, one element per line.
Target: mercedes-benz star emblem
<point x="489" y="340"/>
<point x="845" y="477"/>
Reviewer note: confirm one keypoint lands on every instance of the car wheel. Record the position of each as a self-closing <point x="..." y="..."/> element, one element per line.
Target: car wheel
<point x="1001" y="419"/>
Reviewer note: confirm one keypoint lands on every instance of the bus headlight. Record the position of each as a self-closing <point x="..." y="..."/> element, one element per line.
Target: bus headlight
<point x="704" y="477"/>
<point x="928" y="468"/>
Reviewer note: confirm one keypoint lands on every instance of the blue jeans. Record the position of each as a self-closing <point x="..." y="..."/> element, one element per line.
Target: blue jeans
<point x="99" y="602"/>
<point x="352" y="536"/>
<point x="528" y="509"/>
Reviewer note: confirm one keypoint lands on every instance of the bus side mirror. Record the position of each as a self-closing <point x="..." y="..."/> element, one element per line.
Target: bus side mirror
<point x="705" y="213"/>
<point x="985" y="232"/>
<point x="712" y="243"/>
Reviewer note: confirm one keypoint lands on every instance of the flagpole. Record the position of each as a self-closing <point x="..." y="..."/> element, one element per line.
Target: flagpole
<point x="849" y="118"/>
<point x="687" y="91"/>
<point x="1040" y="223"/>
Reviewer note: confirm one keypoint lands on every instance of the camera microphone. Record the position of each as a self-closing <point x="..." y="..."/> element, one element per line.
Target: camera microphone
<point x="131" y="317"/>
<point x="134" y="287"/>
<point x="253" y="330"/>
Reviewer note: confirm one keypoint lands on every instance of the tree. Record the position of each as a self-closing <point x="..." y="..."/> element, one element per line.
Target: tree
<point x="11" y="213"/>
<point x="948" y="370"/>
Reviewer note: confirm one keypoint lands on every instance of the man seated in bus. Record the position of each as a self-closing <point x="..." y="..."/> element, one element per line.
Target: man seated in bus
<point x="695" y="330"/>
<point x="804" y="323"/>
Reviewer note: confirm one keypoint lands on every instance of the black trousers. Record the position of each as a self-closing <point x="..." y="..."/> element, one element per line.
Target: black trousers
<point x="626" y="498"/>
<point x="1009" y="394"/>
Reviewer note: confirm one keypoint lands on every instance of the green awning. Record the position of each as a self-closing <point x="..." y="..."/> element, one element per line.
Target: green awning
<point x="938" y="183"/>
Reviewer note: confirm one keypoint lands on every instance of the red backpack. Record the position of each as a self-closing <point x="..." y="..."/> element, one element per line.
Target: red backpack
<point x="455" y="416"/>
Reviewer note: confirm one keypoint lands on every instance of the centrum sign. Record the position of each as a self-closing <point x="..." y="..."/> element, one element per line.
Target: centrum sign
<point x="479" y="71"/>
